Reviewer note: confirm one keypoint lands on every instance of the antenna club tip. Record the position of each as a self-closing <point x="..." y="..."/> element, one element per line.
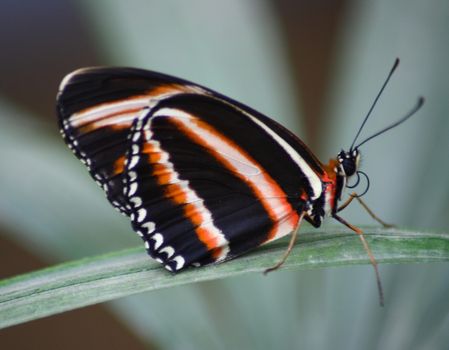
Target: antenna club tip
<point x="396" y="63"/>
<point x="421" y="100"/>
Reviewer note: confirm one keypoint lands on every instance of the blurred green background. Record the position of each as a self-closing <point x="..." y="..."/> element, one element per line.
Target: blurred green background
<point x="315" y="66"/>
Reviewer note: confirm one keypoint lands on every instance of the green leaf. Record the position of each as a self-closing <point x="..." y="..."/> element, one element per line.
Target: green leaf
<point x="96" y="279"/>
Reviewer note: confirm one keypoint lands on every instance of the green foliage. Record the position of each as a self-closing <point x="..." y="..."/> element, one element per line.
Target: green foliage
<point x="110" y="276"/>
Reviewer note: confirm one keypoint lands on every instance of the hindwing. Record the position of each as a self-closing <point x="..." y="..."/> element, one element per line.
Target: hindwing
<point x="196" y="196"/>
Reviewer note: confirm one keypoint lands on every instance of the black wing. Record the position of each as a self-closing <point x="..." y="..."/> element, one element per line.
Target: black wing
<point x="202" y="177"/>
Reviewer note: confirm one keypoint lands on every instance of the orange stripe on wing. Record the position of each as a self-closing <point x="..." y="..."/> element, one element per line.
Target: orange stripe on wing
<point x="109" y="118"/>
<point x="125" y="122"/>
<point x="180" y="193"/>
<point x="272" y="197"/>
<point x="108" y="109"/>
<point x="119" y="165"/>
<point x="99" y="115"/>
<point x="154" y="156"/>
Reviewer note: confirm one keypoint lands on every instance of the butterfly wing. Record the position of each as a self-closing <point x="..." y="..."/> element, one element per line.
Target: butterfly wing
<point x="202" y="177"/>
<point x="207" y="183"/>
<point x="96" y="108"/>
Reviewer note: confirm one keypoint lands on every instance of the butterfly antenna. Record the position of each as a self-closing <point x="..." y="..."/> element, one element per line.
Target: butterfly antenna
<point x="415" y="109"/>
<point x="395" y="65"/>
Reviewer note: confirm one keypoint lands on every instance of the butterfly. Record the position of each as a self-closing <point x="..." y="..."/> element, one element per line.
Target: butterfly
<point x="202" y="177"/>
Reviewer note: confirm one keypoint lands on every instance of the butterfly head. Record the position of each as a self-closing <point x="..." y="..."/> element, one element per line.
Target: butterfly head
<point x="349" y="162"/>
<point x="348" y="165"/>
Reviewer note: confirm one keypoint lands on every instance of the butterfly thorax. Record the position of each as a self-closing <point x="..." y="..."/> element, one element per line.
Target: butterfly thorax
<point x="334" y="180"/>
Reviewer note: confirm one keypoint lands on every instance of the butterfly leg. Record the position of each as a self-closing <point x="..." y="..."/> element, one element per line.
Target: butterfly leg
<point x="368" y="251"/>
<point x="368" y="210"/>
<point x="291" y="244"/>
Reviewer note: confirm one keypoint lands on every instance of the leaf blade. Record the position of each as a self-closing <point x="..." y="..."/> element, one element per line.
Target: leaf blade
<point x="106" y="277"/>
